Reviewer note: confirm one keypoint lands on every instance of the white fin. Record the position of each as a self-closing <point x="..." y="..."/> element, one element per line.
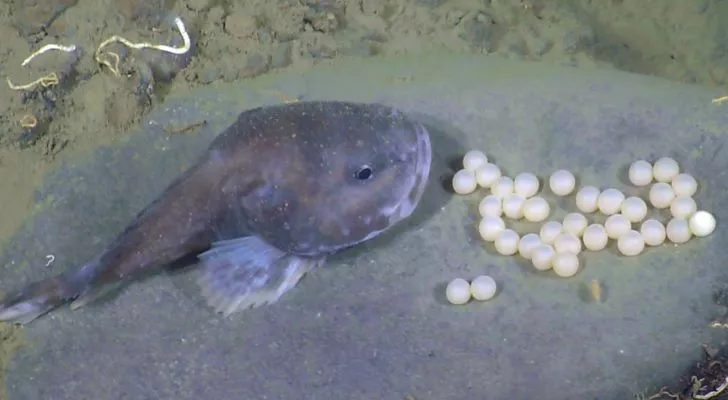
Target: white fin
<point x="247" y="272"/>
<point x="23" y="313"/>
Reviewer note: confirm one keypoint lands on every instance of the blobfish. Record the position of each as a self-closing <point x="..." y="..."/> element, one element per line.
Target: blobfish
<point x="275" y="194"/>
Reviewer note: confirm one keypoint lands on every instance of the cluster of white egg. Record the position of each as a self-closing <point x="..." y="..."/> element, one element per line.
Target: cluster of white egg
<point x="557" y="245"/>
<point x="459" y="291"/>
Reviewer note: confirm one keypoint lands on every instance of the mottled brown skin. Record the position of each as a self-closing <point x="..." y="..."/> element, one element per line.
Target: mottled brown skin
<point x="289" y="175"/>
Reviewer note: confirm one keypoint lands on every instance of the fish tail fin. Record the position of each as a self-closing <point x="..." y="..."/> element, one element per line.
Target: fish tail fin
<point x="40" y="297"/>
<point x="247" y="272"/>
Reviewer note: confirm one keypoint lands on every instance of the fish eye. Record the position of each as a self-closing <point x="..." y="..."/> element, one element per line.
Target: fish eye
<point x="363" y="173"/>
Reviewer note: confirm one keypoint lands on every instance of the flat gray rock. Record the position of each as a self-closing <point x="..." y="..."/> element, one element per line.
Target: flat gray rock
<point x="374" y="324"/>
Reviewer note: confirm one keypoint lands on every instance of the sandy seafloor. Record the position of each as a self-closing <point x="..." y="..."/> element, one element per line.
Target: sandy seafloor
<point x="237" y="40"/>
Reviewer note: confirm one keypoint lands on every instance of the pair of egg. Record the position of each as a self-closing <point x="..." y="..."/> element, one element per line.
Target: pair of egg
<point x="459" y="291"/>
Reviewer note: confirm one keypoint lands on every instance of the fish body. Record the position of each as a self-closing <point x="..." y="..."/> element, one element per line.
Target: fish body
<point x="276" y="193"/>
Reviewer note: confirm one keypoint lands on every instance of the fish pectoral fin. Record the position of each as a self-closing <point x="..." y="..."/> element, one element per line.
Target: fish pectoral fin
<point x="247" y="272"/>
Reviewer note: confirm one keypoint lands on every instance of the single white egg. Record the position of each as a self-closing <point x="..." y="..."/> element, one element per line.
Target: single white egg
<point x="665" y="169"/>
<point x="474" y="159"/>
<point x="503" y="187"/>
<point x="483" y="288"/>
<point x="513" y="206"/>
<point x="702" y="223"/>
<point x="487" y="174"/>
<point x="526" y="185"/>
<point x="549" y="231"/>
<point x="610" y="201"/>
<point x="491" y="227"/>
<point x="653" y="232"/>
<point x="587" y="199"/>
<point x="536" y="209"/>
<point x="634" y="208"/>
<point x="507" y="242"/>
<point x="567" y="243"/>
<point x="463" y="182"/>
<point x="683" y="207"/>
<point x="542" y="257"/>
<point x="661" y="195"/>
<point x="490" y="206"/>
<point x="631" y="243"/>
<point x="457" y="291"/>
<point x="640" y="173"/>
<point x="566" y="264"/>
<point x="684" y="185"/>
<point x="678" y="231"/>
<point x="595" y="237"/>
<point x="617" y="225"/>
<point x="574" y="223"/>
<point x="562" y="182"/>
<point x="527" y="243"/>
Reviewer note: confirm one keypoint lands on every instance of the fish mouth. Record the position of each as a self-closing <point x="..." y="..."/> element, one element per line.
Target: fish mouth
<point x="423" y="152"/>
<point x="424" y="163"/>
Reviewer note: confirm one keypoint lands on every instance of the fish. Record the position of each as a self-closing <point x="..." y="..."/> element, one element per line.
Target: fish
<point x="274" y="195"/>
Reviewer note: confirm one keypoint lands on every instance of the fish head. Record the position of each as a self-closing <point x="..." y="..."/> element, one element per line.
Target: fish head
<point x="370" y="166"/>
<point x="330" y="174"/>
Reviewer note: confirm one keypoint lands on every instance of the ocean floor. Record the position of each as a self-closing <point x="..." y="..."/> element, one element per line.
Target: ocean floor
<point x="96" y="103"/>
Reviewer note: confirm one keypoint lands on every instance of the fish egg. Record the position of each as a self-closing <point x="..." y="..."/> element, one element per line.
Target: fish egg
<point x="527" y="244"/>
<point x="617" y="225"/>
<point x="610" y="201"/>
<point x="587" y="199"/>
<point x="536" y="209"/>
<point x="566" y="264"/>
<point x="457" y="291"/>
<point x="661" y="195"/>
<point x="542" y="257"/>
<point x="507" y="242"/>
<point x="550" y="230"/>
<point x="490" y="206"/>
<point x="490" y="228"/>
<point x="483" y="288"/>
<point x="702" y="223"/>
<point x="574" y="223"/>
<point x="678" y="231"/>
<point x="487" y="174"/>
<point x="634" y="208"/>
<point x="526" y="185"/>
<point x="513" y="206"/>
<point x="684" y="185"/>
<point x="567" y="243"/>
<point x="683" y="207"/>
<point x="631" y="243"/>
<point x="463" y="182"/>
<point x="665" y="169"/>
<point x="503" y="187"/>
<point x="653" y="232"/>
<point x="474" y="159"/>
<point x="562" y="182"/>
<point x="595" y="237"/>
<point x="640" y="173"/>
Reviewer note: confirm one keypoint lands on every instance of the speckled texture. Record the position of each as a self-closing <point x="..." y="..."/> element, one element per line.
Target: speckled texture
<point x="374" y="325"/>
